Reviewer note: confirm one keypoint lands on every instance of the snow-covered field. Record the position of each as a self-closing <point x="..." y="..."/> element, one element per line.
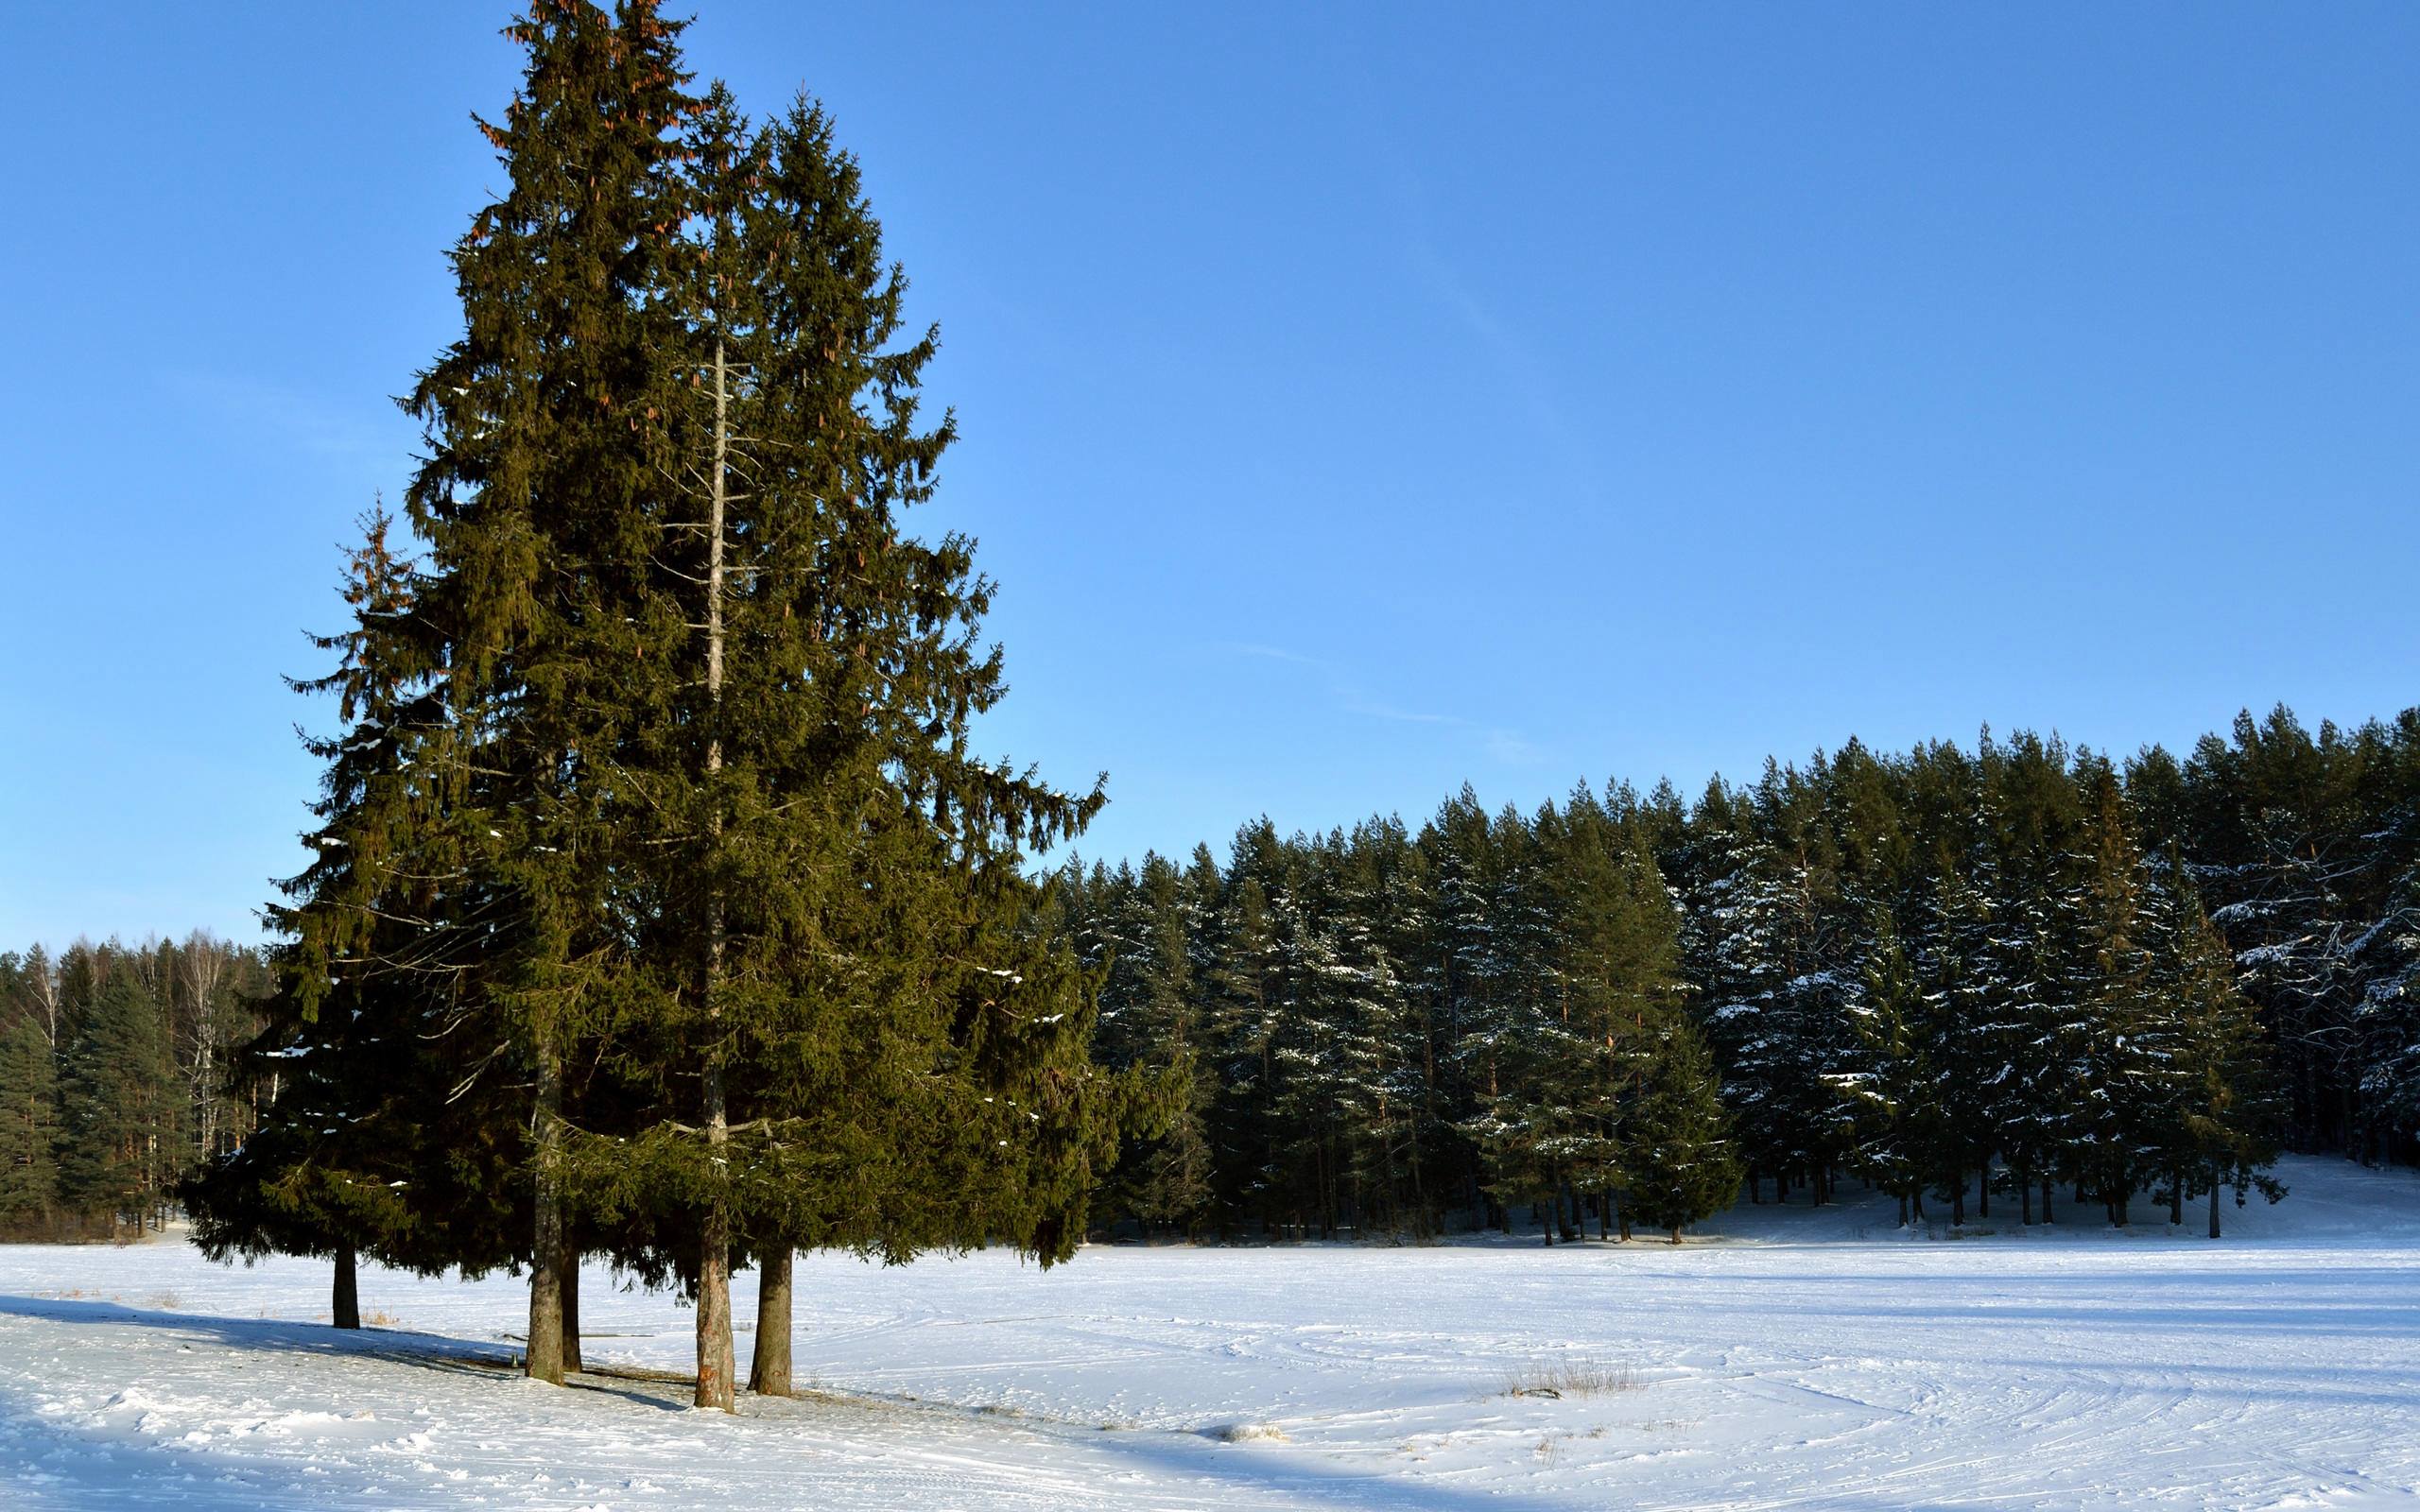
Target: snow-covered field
<point x="1796" y="1358"/>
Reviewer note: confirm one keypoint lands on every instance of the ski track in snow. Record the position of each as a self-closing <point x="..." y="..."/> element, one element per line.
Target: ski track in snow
<point x="1795" y="1358"/>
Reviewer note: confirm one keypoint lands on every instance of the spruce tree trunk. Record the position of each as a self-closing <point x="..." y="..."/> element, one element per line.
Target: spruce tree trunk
<point x="2046" y="1201"/>
<point x="716" y="1365"/>
<point x="1983" y="1190"/>
<point x="545" y="1359"/>
<point x="768" y="1373"/>
<point x="569" y="1271"/>
<point x="2176" y="1200"/>
<point x="2214" y="1204"/>
<point x="346" y="1305"/>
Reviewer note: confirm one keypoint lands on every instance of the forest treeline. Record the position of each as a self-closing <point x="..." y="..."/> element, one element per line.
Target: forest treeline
<point x="2016" y="969"/>
<point x="117" y="1076"/>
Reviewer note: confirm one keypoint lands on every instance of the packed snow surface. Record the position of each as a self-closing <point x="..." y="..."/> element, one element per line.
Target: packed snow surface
<point x="1787" y="1357"/>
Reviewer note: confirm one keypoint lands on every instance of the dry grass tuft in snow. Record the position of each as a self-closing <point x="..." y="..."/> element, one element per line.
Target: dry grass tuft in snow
<point x="1569" y="1378"/>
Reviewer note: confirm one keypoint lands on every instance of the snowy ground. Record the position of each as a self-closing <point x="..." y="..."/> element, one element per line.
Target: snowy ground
<point x="1796" y="1359"/>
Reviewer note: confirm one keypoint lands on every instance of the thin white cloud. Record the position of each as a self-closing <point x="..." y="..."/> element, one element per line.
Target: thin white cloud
<point x="1271" y="653"/>
<point x="1501" y="745"/>
<point x="1402" y="717"/>
<point x="1512" y="749"/>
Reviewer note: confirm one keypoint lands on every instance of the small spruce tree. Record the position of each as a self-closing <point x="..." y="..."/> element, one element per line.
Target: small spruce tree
<point x="1680" y="1166"/>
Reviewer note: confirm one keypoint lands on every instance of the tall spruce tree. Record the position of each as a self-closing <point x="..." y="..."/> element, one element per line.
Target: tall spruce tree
<point x="1895" y="1086"/>
<point x="2117" y="972"/>
<point x="831" y="920"/>
<point x="1149" y="921"/>
<point x="533" y="617"/>
<point x="1620" y="981"/>
<point x="1384" y="1050"/>
<point x="657" y="816"/>
<point x="1513" y="1036"/>
<point x="2216" y="1124"/>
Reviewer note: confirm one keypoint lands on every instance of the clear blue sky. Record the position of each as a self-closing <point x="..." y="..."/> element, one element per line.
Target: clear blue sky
<point x="1357" y="399"/>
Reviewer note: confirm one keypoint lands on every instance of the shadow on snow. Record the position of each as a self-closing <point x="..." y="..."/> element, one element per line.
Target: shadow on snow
<point x="109" y="1471"/>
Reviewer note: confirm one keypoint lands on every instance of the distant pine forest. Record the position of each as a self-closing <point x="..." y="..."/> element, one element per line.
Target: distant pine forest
<point x="2013" y="980"/>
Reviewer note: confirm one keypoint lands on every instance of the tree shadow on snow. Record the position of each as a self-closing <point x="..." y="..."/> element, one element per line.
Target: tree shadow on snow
<point x="407" y="1346"/>
<point x="436" y="1352"/>
<point x="63" y="1464"/>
